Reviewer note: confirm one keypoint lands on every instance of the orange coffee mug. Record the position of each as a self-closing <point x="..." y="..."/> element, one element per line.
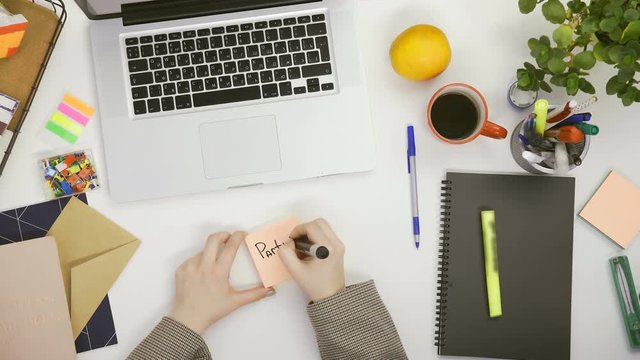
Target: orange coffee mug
<point x="458" y="114"/>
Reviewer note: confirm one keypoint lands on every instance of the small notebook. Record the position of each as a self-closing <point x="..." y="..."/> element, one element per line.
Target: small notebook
<point x="34" y="318"/>
<point x="534" y="234"/>
<point x="34" y="221"/>
<point x="615" y="209"/>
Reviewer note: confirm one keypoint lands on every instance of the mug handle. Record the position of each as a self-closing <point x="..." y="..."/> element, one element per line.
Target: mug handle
<point x="493" y="131"/>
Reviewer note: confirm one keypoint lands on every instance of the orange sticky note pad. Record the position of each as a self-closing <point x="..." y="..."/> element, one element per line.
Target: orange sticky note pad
<point x="615" y="209"/>
<point x="263" y="246"/>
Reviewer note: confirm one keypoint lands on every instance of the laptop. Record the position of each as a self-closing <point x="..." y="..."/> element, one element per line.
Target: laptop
<point x="200" y="95"/>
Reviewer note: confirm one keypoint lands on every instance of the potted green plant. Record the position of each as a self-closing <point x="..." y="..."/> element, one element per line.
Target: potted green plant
<point x="603" y="30"/>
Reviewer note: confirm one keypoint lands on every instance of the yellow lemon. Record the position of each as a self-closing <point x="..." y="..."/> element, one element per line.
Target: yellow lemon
<point x="421" y="52"/>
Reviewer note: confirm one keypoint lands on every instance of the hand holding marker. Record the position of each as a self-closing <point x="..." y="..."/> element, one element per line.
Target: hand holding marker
<point x="305" y="247"/>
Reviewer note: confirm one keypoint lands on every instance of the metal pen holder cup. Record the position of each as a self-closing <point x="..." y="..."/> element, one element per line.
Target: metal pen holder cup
<point x="517" y="148"/>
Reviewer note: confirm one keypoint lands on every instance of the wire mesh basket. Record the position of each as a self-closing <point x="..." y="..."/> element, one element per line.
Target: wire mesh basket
<point x="58" y="8"/>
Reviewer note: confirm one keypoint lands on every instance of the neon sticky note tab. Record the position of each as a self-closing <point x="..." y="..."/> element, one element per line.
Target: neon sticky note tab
<point x="263" y="246"/>
<point x="67" y="124"/>
<point x="78" y="105"/>
<point x="61" y="132"/>
<point x="73" y="114"/>
<point x="488" y="218"/>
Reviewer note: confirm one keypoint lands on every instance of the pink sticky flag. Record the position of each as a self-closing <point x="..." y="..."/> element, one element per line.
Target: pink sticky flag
<point x="73" y="114"/>
<point x="263" y="246"/>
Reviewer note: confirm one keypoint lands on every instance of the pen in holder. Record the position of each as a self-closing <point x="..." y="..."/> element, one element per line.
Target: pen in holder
<point x="541" y="158"/>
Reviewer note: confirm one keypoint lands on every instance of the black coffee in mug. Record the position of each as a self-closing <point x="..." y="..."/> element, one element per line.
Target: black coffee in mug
<point x="455" y="116"/>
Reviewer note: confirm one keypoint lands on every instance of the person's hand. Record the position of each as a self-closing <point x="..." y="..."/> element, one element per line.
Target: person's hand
<point x="319" y="279"/>
<point x="203" y="293"/>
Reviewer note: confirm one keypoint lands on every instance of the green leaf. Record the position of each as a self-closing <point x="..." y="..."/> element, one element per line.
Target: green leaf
<point x="613" y="85"/>
<point x="625" y="74"/>
<point x="616" y="53"/>
<point x="563" y="36"/>
<point x="590" y="25"/>
<point x="586" y="86"/>
<point x="543" y="58"/>
<point x="556" y="65"/>
<point x="524" y="81"/>
<point x="633" y="46"/>
<point x="559" y="80"/>
<point x="629" y="59"/>
<point x="527" y="6"/>
<point x="585" y="60"/>
<point x="529" y="66"/>
<point x="609" y="24"/>
<point x="616" y="34"/>
<point x="632" y="31"/>
<point x="629" y="96"/>
<point x="533" y="44"/>
<point x="631" y="15"/>
<point x="576" y="6"/>
<point x="540" y="74"/>
<point x="554" y="11"/>
<point x="544" y="40"/>
<point x="600" y="51"/>
<point x="573" y="82"/>
<point x="582" y="40"/>
<point x="544" y="86"/>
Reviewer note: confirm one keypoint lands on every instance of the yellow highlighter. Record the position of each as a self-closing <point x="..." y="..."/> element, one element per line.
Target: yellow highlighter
<point x="541" y="109"/>
<point x="491" y="262"/>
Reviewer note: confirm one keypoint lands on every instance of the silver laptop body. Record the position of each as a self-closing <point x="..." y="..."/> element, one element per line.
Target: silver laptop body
<point x="233" y="99"/>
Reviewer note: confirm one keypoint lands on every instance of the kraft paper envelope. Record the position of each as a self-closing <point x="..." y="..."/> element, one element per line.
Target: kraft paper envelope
<point x="93" y="252"/>
<point x="263" y="246"/>
<point x="34" y="319"/>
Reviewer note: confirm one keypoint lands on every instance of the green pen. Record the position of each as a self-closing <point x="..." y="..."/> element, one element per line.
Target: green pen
<point x="491" y="262"/>
<point x="588" y="129"/>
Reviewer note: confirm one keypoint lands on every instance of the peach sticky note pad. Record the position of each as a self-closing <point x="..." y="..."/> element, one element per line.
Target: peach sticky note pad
<point x="615" y="209"/>
<point x="263" y="246"/>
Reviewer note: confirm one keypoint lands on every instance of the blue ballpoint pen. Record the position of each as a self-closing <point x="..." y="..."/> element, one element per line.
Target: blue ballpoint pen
<point x="411" y="164"/>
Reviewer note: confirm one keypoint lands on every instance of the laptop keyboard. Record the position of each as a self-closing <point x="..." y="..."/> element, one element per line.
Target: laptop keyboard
<point x="261" y="61"/>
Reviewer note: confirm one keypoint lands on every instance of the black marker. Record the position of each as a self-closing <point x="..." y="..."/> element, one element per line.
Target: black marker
<point x="303" y="245"/>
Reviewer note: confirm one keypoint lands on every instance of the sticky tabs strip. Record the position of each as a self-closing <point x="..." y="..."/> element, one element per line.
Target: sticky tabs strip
<point x="491" y="262"/>
<point x="69" y="121"/>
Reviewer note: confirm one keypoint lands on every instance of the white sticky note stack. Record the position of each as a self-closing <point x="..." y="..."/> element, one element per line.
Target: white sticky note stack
<point x="8" y="107"/>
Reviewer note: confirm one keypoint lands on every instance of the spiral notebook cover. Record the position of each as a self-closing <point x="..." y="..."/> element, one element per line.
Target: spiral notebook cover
<point x="534" y="232"/>
<point x="33" y="222"/>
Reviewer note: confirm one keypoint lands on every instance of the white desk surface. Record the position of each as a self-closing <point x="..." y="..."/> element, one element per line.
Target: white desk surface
<point x="369" y="211"/>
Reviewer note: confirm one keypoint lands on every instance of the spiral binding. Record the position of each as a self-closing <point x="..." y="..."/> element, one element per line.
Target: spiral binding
<point x="443" y="264"/>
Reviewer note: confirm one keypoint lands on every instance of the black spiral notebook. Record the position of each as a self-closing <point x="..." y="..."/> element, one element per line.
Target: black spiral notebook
<point x="534" y="232"/>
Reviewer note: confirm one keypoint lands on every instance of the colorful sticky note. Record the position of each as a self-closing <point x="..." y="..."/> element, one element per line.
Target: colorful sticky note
<point x="615" y="209"/>
<point x="72" y="117"/>
<point x="263" y="246"/>
<point x="12" y="30"/>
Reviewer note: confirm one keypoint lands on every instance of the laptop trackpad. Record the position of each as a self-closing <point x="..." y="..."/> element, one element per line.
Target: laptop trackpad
<point x="240" y="147"/>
